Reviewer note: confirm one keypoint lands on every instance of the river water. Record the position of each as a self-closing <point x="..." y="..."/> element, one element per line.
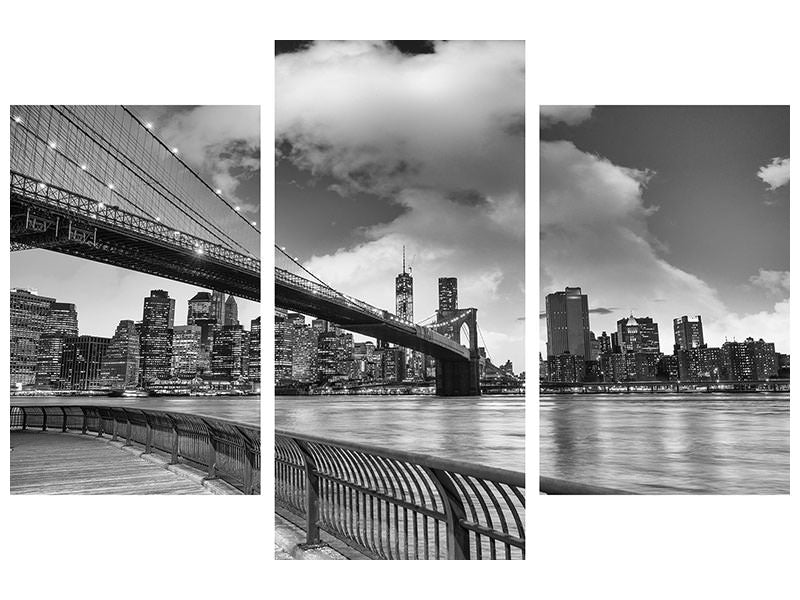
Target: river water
<point x="489" y="430"/>
<point x="668" y="444"/>
<point x="246" y="409"/>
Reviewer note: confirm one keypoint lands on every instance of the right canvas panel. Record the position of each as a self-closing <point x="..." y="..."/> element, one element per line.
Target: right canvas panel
<point x="664" y="307"/>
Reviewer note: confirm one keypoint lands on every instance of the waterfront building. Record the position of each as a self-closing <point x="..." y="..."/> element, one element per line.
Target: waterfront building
<point x="365" y="359"/>
<point x="604" y="342"/>
<point x="62" y="321"/>
<point x="750" y="360"/>
<point x="701" y="364"/>
<point x="668" y="368"/>
<point x="392" y="363"/>
<point x="231" y="312"/>
<point x="29" y="316"/>
<point x="185" y="351"/>
<point x="120" y="368"/>
<point x="567" y="315"/>
<point x="245" y="353"/>
<point x="217" y="308"/>
<point x="158" y="318"/>
<point x="304" y="348"/>
<point x="448" y="293"/>
<point x="783" y="366"/>
<point x="638" y="334"/>
<point x="688" y="332"/>
<point x="255" y="350"/>
<point x="566" y="368"/>
<point x="82" y="361"/>
<point x="283" y="346"/>
<point x="226" y="354"/>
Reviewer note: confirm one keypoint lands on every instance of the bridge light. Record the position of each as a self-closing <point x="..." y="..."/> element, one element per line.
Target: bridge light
<point x="84" y="166"/>
<point x="111" y="186"/>
<point x="101" y="205"/>
<point x="148" y="125"/>
<point x="238" y="208"/>
<point x="17" y="119"/>
<point x="199" y="250"/>
<point x="177" y="233"/>
<point x="219" y="192"/>
<point x="174" y="150"/>
<point x="253" y="223"/>
<point x="53" y="145"/>
<point x="158" y="219"/>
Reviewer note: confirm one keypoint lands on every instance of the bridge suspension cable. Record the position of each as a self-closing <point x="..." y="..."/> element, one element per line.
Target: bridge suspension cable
<point x="132" y="166"/>
<point x="215" y="191"/>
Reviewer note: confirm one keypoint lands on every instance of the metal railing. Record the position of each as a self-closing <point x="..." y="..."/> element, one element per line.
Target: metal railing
<point x="561" y="487"/>
<point x="399" y="505"/>
<point x="224" y="449"/>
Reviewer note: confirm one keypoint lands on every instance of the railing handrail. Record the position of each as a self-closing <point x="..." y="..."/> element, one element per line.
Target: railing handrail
<point x="553" y="486"/>
<point x="496" y="474"/>
<point x="222" y="420"/>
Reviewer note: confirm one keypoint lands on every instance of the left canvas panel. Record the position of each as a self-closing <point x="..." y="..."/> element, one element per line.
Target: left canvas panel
<point x="135" y="286"/>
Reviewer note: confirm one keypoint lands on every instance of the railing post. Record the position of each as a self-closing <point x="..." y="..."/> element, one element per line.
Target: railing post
<point x="24" y="419"/>
<point x="457" y="536"/>
<point x="149" y="437"/>
<point x="85" y="424"/>
<point x="44" y="419"/>
<point x="175" y="448"/>
<point x="249" y="459"/>
<point x="312" y="493"/>
<point x="212" y="452"/>
<point x="64" y="423"/>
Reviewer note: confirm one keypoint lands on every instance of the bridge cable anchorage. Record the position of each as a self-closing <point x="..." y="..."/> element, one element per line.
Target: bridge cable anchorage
<point x="215" y="191"/>
<point x="102" y="142"/>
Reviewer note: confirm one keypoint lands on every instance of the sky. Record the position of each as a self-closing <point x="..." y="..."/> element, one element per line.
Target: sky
<point x="386" y="144"/>
<point x="222" y="144"/>
<point x="666" y="211"/>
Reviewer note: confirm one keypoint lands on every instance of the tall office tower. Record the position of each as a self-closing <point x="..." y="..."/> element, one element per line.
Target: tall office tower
<point x="283" y="346"/>
<point x="218" y="307"/>
<point x="255" y="350"/>
<point x="605" y="343"/>
<point x="186" y="351"/>
<point x="226" y="355"/>
<point x="82" y="361"/>
<point x="199" y="308"/>
<point x="567" y="315"/>
<point x="638" y="334"/>
<point x="688" y="332"/>
<point x="404" y="302"/>
<point x="61" y="322"/>
<point x="29" y="316"/>
<point x="121" y="363"/>
<point x="245" y="353"/>
<point x="156" y="336"/>
<point x="327" y="356"/>
<point x="304" y="349"/>
<point x="448" y="293"/>
<point x="231" y="312"/>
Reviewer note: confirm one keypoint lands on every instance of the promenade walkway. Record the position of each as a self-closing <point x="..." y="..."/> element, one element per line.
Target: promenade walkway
<point x="69" y="463"/>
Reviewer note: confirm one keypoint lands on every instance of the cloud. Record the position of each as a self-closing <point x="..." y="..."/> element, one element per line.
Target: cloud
<point x="601" y="311"/>
<point x="776" y="282"/>
<point x="775" y="174"/>
<point x="442" y="136"/>
<point x="221" y="142"/>
<point x="594" y="234"/>
<point x="571" y="115"/>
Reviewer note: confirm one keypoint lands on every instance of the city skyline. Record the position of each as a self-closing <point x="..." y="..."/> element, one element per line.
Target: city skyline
<point x="667" y="211"/>
<point x="221" y="143"/>
<point x="384" y="144"/>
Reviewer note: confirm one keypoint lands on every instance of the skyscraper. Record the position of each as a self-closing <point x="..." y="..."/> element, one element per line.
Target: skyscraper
<point x="199" y="308"/>
<point x="156" y="336"/>
<point x="29" y="315"/>
<point x="61" y="322"/>
<point x="255" y="350"/>
<point x="226" y="355"/>
<point x="218" y="307"/>
<point x="404" y="302"/>
<point x="283" y="346"/>
<point x="638" y="334"/>
<point x="120" y="368"/>
<point x="567" y="315"/>
<point x="448" y="293"/>
<point x="82" y="361"/>
<point x="231" y="312"/>
<point x="688" y="332"/>
<point x="185" y="351"/>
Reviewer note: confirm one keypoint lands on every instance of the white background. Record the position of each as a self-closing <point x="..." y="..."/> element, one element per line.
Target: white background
<point x="578" y="52"/>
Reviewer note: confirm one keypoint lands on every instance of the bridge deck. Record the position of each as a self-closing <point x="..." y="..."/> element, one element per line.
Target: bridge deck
<point x="66" y="463"/>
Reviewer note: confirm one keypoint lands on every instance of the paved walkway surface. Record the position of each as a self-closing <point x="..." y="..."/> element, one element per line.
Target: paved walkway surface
<point x="288" y="538"/>
<point x="67" y="463"/>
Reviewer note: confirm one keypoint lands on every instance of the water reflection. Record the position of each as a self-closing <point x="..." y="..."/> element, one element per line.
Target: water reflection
<point x="488" y="430"/>
<point x="731" y="444"/>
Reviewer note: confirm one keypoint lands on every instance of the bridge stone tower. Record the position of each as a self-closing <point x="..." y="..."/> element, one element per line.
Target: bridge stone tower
<point x="454" y="377"/>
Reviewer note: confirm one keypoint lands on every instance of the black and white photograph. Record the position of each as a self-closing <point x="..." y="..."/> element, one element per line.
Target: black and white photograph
<point x="135" y="361"/>
<point x="664" y="281"/>
<point x="400" y="300"/>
